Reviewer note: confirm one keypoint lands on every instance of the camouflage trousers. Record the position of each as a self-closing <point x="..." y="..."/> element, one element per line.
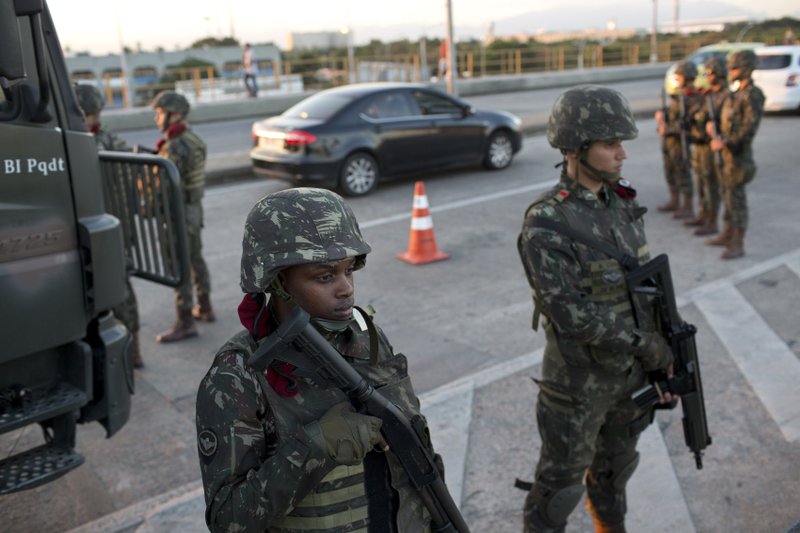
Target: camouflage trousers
<point x="200" y="279"/>
<point x="589" y="427"/>
<point x="128" y="311"/>
<point x="707" y="181"/>
<point x="735" y="200"/>
<point x="676" y="171"/>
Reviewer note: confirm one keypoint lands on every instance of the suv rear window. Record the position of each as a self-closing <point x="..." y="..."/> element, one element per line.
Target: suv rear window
<point x="774" y="62"/>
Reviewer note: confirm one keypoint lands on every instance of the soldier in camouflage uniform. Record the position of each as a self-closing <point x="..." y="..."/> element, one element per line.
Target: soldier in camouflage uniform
<point x="278" y="452"/>
<point x="703" y="159"/>
<point x="91" y="102"/>
<point x="738" y="123"/>
<point x="672" y="123"/>
<point x="596" y="354"/>
<point x="183" y="147"/>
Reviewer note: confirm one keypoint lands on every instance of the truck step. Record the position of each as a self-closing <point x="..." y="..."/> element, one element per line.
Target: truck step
<point x="34" y="467"/>
<point x="38" y="405"/>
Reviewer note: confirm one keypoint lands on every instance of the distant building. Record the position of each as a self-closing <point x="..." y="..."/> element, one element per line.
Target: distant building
<point x="319" y="39"/>
<point x="147" y="68"/>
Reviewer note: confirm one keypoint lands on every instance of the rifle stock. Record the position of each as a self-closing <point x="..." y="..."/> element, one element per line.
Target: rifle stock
<point x="300" y="344"/>
<point x="655" y="279"/>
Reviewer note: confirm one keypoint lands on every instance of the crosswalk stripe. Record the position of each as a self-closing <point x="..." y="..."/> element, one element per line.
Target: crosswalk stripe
<point x="763" y="358"/>
<point x="759" y="352"/>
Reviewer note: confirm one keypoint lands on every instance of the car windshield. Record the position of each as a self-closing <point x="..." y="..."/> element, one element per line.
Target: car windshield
<point x="319" y="106"/>
<point x="773" y="62"/>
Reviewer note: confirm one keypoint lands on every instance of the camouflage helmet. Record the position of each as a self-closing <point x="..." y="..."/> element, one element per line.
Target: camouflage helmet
<point x="89" y="98"/>
<point x="687" y="69"/>
<point x="743" y="59"/>
<point x="295" y="227"/>
<point x="173" y="102"/>
<point x="589" y="113"/>
<point x="717" y="66"/>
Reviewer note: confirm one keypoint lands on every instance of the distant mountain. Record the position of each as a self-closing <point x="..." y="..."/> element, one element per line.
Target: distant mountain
<point x="630" y="14"/>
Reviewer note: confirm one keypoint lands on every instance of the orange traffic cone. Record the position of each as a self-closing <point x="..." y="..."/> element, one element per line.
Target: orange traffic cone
<point x="421" y="242"/>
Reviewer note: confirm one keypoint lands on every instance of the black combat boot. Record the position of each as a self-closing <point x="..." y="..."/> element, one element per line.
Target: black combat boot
<point x="203" y="311"/>
<point x="183" y="328"/>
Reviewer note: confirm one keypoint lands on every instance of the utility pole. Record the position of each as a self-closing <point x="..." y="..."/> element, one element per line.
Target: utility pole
<point x="654" y="34"/>
<point x="675" y="18"/>
<point x="451" y="48"/>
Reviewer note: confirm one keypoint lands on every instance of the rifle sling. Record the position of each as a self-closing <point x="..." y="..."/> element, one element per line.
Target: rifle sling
<point x="628" y="262"/>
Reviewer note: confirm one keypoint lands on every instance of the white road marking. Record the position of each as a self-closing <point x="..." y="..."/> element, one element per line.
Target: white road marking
<point x="765" y="361"/>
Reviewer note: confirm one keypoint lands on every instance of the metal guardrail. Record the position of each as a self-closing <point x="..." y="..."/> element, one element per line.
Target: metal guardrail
<point x="144" y="193"/>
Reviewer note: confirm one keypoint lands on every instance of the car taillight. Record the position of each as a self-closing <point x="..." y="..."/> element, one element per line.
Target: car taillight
<point x="791" y="81"/>
<point x="299" y="138"/>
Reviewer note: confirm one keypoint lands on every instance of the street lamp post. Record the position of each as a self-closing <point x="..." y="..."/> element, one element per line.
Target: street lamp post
<point x="348" y="34"/>
<point x="451" y="48"/>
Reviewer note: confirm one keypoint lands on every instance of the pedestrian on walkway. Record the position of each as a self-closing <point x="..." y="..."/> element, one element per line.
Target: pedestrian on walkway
<point x="187" y="150"/>
<point x="596" y="354"/>
<point x="704" y="162"/>
<point x="92" y="104"/>
<point x="739" y="119"/>
<point x="278" y="452"/>
<point x="673" y="127"/>
<point x="249" y="69"/>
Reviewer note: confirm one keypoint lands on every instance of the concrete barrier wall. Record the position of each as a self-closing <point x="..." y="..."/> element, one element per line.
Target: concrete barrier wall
<point x="140" y="118"/>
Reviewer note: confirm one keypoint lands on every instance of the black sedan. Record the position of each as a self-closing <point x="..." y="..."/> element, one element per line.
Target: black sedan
<point x="350" y="137"/>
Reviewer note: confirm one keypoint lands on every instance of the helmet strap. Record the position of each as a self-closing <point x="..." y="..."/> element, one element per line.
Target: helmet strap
<point x="595" y="174"/>
<point x="276" y="287"/>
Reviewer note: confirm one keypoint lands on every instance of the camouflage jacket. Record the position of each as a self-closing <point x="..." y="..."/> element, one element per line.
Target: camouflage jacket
<point x="740" y="117"/>
<point x="187" y="150"/>
<point x="107" y="140"/>
<point x="579" y="290"/>
<point x="256" y="459"/>
<point x="702" y="114"/>
<point x="678" y="116"/>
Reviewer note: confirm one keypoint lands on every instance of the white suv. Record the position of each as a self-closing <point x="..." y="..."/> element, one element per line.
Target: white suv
<point x="778" y="75"/>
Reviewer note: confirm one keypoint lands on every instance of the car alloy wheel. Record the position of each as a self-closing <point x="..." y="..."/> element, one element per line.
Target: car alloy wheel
<point x="359" y="174"/>
<point x="500" y="151"/>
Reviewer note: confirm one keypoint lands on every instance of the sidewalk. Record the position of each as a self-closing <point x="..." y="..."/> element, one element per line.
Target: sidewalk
<point x="493" y="408"/>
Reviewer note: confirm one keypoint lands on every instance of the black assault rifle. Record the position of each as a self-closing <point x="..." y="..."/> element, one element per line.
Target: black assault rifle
<point x="683" y="121"/>
<point x="655" y="279"/>
<point x="713" y="120"/>
<point x="297" y="342"/>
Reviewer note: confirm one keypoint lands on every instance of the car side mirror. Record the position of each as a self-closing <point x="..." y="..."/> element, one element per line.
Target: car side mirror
<point x="467" y="111"/>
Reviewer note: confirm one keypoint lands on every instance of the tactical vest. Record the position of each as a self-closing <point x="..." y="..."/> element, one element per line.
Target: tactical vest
<point x="338" y="503"/>
<point x="193" y="176"/>
<point x="603" y="278"/>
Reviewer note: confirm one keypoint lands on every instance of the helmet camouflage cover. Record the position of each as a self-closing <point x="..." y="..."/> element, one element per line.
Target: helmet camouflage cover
<point x="295" y="227"/>
<point x="717" y="66"/>
<point x="687" y="69"/>
<point x="589" y="113"/>
<point x="89" y="98"/>
<point x="743" y="59"/>
<point x="171" y="101"/>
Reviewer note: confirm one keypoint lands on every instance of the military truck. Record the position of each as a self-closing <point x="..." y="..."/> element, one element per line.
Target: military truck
<point x="73" y="225"/>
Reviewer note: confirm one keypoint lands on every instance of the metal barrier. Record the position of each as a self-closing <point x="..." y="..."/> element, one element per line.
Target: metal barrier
<point x="144" y="193"/>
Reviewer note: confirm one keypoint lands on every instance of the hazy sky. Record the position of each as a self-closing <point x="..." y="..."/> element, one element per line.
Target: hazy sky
<point x="100" y="25"/>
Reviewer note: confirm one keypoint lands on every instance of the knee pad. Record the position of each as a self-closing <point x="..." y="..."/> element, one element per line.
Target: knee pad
<point x="547" y="510"/>
<point x="621" y="471"/>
